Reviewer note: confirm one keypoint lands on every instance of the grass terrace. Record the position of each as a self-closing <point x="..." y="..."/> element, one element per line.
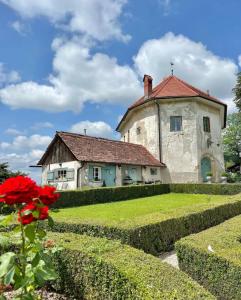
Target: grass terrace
<point x="153" y="223"/>
<point x="217" y="268"/>
<point x="126" y="214"/>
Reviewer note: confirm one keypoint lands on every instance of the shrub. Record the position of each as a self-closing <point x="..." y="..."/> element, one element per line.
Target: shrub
<point x="219" y="268"/>
<point x="94" y="268"/>
<point x="112" y="194"/>
<point x="155" y="235"/>
<point x="109" y="194"/>
<point x="202" y="188"/>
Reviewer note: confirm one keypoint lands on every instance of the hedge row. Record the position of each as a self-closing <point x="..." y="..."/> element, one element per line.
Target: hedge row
<point x="218" y="271"/>
<point x="94" y="268"/>
<point x="203" y="188"/>
<point x="109" y="194"/>
<point x="159" y="236"/>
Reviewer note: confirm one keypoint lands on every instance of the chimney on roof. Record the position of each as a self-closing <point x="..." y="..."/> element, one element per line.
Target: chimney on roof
<point x="147" y="79"/>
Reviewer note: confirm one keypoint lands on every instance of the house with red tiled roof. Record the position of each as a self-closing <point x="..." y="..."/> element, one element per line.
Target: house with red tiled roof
<point x="171" y="134"/>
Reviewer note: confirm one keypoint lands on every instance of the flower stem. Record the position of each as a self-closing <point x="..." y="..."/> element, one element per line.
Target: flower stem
<point x="23" y="256"/>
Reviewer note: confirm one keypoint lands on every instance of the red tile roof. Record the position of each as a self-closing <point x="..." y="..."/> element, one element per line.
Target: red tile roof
<point x="92" y="149"/>
<point x="173" y="87"/>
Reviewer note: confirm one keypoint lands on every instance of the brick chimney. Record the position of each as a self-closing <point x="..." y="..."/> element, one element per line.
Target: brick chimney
<point x="147" y="79"/>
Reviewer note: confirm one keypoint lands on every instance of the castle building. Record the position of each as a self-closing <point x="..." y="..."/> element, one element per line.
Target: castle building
<point x="171" y="134"/>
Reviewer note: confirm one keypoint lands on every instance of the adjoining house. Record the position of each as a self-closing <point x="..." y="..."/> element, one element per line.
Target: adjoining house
<point x="73" y="160"/>
<point x="171" y="134"/>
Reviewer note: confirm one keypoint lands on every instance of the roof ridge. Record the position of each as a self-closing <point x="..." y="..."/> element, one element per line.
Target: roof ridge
<point x="163" y="83"/>
<point x="97" y="138"/>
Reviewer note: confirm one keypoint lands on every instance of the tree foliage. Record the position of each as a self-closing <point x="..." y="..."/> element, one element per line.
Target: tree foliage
<point x="237" y="92"/>
<point x="232" y="138"/>
<point x="5" y="173"/>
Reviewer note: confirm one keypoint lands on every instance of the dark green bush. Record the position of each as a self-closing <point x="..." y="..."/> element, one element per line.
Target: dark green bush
<point x="94" y="268"/>
<point x="219" y="271"/>
<point x="203" y="188"/>
<point x="112" y="194"/>
<point x="109" y="194"/>
<point x="160" y="236"/>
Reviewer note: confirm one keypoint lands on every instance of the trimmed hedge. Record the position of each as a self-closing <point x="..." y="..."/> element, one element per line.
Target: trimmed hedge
<point x="218" y="271"/>
<point x="159" y="236"/>
<point x="109" y="194"/>
<point x="203" y="188"/>
<point x="94" y="268"/>
<point x="112" y="194"/>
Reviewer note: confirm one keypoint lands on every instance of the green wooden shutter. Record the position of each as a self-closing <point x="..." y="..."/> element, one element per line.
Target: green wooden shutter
<point x="70" y="174"/>
<point x="50" y="175"/>
<point x="90" y="172"/>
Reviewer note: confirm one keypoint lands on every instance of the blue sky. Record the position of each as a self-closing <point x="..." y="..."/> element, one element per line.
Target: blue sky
<point x="78" y="64"/>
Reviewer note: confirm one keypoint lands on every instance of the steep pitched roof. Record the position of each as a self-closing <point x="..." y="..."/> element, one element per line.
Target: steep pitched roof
<point x="174" y="87"/>
<point x="92" y="149"/>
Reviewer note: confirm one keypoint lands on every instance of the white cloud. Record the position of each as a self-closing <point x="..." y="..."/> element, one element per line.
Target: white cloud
<point x="239" y="60"/>
<point x="166" y="4"/>
<point x="8" y="76"/>
<point x="193" y="62"/>
<point x="19" y="27"/>
<point x="24" y="151"/>
<point x="40" y="125"/>
<point x="79" y="77"/>
<point x="95" y="18"/>
<point x="13" y="131"/>
<point x="98" y="129"/>
<point x="23" y="142"/>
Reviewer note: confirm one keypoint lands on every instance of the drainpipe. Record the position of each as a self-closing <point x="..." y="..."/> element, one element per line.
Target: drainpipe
<point x="159" y="130"/>
<point x="78" y="173"/>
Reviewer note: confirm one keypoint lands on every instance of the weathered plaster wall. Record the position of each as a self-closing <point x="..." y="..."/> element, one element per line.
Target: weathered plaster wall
<point x="179" y="149"/>
<point x="70" y="165"/>
<point x="145" y="118"/>
<point x="147" y="176"/>
<point x="215" y="151"/>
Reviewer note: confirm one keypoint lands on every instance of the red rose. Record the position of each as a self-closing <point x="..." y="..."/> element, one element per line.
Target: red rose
<point x="17" y="190"/>
<point x="25" y="215"/>
<point x="48" y="195"/>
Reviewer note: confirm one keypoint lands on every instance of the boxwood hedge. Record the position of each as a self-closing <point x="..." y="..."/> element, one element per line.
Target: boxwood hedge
<point x="95" y="268"/>
<point x="158" y="235"/>
<point x="112" y="194"/>
<point x="109" y="194"/>
<point x="217" y="268"/>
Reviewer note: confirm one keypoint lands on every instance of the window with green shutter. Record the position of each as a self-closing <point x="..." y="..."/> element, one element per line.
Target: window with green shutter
<point x="206" y="124"/>
<point x="175" y="123"/>
<point x="50" y="175"/>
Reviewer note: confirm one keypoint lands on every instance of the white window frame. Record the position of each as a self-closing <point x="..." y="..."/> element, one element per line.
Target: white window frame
<point x="96" y="171"/>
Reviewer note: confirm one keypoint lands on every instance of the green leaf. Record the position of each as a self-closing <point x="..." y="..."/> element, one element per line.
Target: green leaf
<point x="6" y="260"/>
<point x="41" y="233"/>
<point x="36" y="260"/>
<point x="9" y="276"/>
<point x="6" y="220"/>
<point x="36" y="214"/>
<point x="2" y="297"/>
<point x="30" y="232"/>
<point x="50" y="222"/>
<point x="4" y="241"/>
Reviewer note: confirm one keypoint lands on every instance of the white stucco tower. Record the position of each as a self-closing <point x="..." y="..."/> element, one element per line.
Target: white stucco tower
<point x="181" y="126"/>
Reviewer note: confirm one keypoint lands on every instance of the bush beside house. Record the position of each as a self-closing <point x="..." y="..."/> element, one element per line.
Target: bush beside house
<point x="213" y="258"/>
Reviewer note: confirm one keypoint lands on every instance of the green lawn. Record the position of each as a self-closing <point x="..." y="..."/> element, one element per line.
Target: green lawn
<point x="140" y="211"/>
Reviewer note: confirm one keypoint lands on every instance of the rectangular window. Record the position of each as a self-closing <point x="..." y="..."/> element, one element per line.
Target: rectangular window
<point x="206" y="124"/>
<point x="153" y="171"/>
<point x="97" y="173"/>
<point x="61" y="174"/>
<point x="138" y="130"/>
<point x="175" y="123"/>
<point x="128" y="136"/>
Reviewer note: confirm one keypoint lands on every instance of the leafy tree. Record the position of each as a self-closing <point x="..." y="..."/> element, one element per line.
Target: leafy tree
<point x="237" y="92"/>
<point x="5" y="173"/>
<point x="232" y="138"/>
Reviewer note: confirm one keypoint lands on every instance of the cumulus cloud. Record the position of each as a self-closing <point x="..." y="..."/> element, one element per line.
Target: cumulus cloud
<point x="192" y="61"/>
<point x="8" y="76"/>
<point x="79" y="77"/>
<point x="13" y="131"/>
<point x="19" y="27"/>
<point x="98" y="129"/>
<point x="95" y="18"/>
<point x="23" y="142"/>
<point x="24" y="151"/>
